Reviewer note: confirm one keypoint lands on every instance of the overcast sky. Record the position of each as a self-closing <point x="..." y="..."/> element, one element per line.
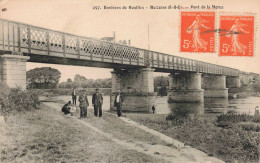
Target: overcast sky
<point x="78" y="17"/>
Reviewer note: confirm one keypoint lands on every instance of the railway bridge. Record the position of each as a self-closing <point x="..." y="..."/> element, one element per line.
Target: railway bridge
<point x="190" y="80"/>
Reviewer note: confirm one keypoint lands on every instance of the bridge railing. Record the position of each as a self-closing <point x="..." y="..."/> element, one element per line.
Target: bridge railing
<point x="35" y="40"/>
<point x="29" y="39"/>
<point x="166" y="61"/>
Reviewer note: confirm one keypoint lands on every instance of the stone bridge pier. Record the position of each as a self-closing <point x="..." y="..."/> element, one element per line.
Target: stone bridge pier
<point x="13" y="70"/>
<point x="233" y="83"/>
<point x="185" y="87"/>
<point x="214" y="86"/>
<point x="137" y="88"/>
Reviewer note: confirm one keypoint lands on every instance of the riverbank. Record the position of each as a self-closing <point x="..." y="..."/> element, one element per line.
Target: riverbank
<point x="46" y="135"/>
<point x="231" y="145"/>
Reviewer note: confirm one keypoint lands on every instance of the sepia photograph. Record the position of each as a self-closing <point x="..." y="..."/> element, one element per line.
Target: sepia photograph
<point x="129" y="81"/>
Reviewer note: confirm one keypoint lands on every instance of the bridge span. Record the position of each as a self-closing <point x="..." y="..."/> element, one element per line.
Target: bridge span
<point x="190" y="80"/>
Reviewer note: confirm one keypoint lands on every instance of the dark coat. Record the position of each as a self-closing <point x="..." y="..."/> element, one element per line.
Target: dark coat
<point x="83" y="100"/>
<point x="97" y="99"/>
<point x="65" y="109"/>
<point x="121" y="100"/>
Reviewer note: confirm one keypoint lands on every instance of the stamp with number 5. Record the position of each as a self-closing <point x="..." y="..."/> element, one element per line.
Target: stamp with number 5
<point x="197" y="31"/>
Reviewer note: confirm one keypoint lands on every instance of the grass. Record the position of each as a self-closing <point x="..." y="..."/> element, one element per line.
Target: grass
<point x="110" y="124"/>
<point x="232" y="144"/>
<point x="46" y="135"/>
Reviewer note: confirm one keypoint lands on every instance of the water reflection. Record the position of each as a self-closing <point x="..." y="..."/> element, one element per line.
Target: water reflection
<point x="210" y="105"/>
<point x="215" y="105"/>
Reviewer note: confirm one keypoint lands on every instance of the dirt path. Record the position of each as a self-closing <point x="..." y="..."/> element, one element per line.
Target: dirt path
<point x="134" y="136"/>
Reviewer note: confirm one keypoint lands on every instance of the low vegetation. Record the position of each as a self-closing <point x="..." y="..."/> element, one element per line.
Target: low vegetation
<point x="236" y="143"/>
<point x="16" y="100"/>
<point x="231" y="119"/>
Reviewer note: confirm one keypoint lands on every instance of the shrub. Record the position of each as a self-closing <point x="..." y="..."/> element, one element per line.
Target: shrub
<point x="250" y="126"/>
<point x="236" y="144"/>
<point x="12" y="100"/>
<point x="234" y="118"/>
<point x="179" y="116"/>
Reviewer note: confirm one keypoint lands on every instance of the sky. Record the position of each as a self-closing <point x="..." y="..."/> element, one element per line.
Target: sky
<point x="78" y="17"/>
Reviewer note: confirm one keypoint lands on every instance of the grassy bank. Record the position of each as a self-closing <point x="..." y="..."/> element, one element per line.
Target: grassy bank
<point x="229" y="144"/>
<point x="46" y="135"/>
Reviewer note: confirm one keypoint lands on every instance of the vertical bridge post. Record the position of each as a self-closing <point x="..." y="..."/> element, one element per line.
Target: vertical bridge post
<point x="13" y="70"/>
<point x="214" y="86"/>
<point x="137" y="88"/>
<point x="185" y="87"/>
<point x="233" y="83"/>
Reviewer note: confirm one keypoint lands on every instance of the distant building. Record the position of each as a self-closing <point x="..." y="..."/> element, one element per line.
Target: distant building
<point x="109" y="39"/>
<point x="125" y="42"/>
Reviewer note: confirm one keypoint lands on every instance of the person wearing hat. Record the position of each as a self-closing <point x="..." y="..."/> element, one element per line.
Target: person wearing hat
<point x="83" y="104"/>
<point x="66" y="108"/>
<point x="118" y="103"/>
<point x="97" y="102"/>
<point x="74" y="96"/>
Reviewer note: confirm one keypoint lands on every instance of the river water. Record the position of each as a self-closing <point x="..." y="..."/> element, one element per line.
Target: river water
<point x="210" y="105"/>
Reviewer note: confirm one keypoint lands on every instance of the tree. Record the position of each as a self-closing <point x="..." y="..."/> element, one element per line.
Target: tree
<point x="43" y="78"/>
<point x="69" y="80"/>
<point x="161" y="81"/>
<point x="79" y="78"/>
<point x="160" y="85"/>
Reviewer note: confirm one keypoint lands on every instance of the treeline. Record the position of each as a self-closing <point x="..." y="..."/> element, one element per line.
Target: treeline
<point x="161" y="85"/>
<point x="82" y="82"/>
<point x="48" y="78"/>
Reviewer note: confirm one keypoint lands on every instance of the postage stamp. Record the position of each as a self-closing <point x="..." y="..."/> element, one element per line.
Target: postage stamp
<point x="195" y="35"/>
<point x="236" y="35"/>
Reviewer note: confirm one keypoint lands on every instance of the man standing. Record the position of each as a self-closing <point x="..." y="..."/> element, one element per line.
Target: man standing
<point x="74" y="96"/>
<point x="153" y="108"/>
<point x="97" y="102"/>
<point x="118" y="103"/>
<point x="83" y="104"/>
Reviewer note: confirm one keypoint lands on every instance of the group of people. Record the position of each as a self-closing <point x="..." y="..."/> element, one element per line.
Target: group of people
<point x="97" y="102"/>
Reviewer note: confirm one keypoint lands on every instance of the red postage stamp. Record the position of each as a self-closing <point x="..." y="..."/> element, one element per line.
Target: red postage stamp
<point x="197" y="31"/>
<point x="236" y="35"/>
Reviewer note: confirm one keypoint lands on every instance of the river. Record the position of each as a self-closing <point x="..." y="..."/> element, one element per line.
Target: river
<point x="210" y="105"/>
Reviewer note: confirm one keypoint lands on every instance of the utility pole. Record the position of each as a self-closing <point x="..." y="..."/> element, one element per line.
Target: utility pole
<point x="148" y="38"/>
<point x="114" y="36"/>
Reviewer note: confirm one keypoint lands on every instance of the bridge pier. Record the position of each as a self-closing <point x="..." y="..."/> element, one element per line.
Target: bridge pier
<point x="214" y="86"/>
<point x="233" y="82"/>
<point x="185" y="87"/>
<point x="13" y="70"/>
<point x="137" y="88"/>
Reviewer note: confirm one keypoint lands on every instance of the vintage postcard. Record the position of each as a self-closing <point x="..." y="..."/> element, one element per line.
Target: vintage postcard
<point x="130" y="81"/>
